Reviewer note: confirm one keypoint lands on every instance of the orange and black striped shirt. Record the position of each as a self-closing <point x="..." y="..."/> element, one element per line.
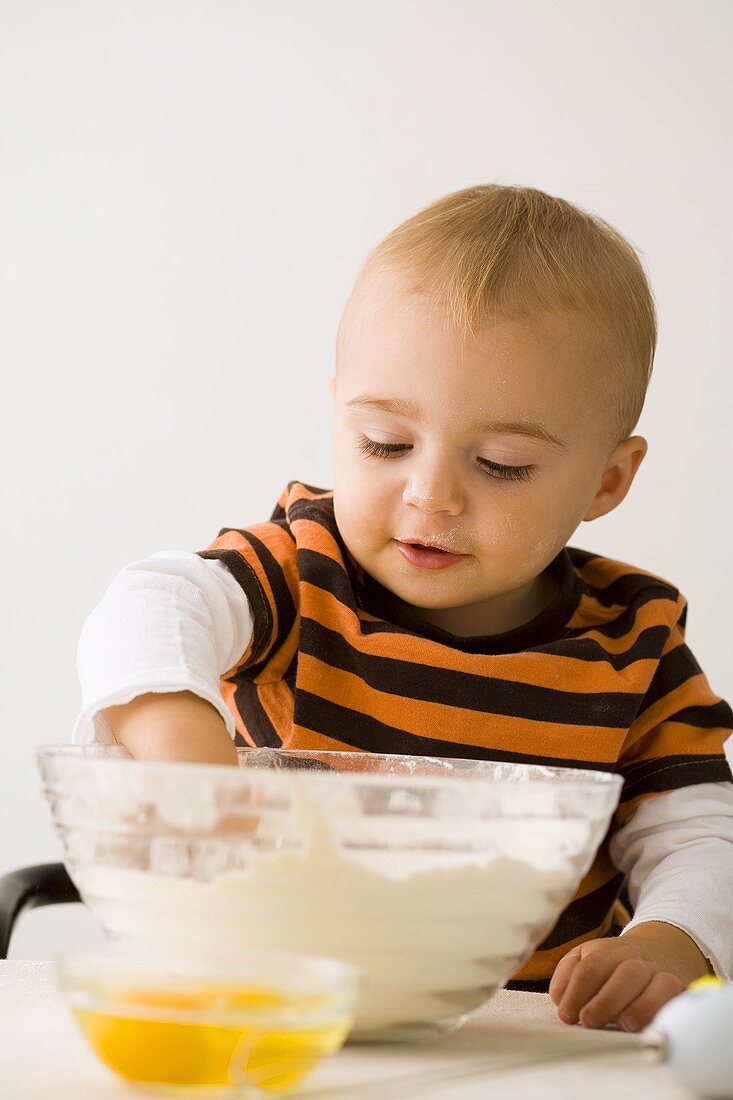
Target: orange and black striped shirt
<point x="600" y="679"/>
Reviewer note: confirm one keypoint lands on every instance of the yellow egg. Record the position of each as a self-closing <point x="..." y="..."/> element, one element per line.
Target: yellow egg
<point x="140" y="1037"/>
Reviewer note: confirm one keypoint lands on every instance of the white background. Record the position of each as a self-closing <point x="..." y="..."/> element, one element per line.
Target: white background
<point x="187" y="190"/>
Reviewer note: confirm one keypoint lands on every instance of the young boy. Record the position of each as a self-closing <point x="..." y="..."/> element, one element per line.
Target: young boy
<point x="492" y="361"/>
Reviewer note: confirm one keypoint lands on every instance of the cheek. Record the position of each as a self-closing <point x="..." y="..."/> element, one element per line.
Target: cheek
<point x="362" y="484"/>
<point x="522" y="529"/>
<point x="540" y="550"/>
<point x="361" y="505"/>
<point x="498" y="530"/>
<point x="536" y="527"/>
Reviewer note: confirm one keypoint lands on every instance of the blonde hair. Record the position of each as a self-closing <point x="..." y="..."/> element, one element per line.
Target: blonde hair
<point x="516" y="252"/>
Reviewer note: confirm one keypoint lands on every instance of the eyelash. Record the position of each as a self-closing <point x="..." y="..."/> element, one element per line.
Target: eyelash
<point x="493" y="469"/>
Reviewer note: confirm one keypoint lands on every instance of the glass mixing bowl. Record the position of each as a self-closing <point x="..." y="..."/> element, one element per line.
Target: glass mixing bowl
<point x="437" y="878"/>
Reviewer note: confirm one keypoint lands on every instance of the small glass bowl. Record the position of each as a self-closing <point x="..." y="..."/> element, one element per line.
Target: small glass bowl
<point x="173" y="1026"/>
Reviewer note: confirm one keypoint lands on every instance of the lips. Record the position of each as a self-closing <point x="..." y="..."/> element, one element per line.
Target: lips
<point x="429" y="544"/>
<point x="427" y="555"/>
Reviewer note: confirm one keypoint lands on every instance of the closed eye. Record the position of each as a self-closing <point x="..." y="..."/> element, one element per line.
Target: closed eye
<point x="374" y="449"/>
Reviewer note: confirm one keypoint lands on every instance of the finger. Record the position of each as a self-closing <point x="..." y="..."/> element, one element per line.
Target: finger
<point x="587" y="979"/>
<point x="641" y="1011"/>
<point x="561" y="976"/>
<point x="627" y="982"/>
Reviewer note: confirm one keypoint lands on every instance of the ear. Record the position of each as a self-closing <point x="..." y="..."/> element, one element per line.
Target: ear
<point x="332" y="386"/>
<point x="618" y="476"/>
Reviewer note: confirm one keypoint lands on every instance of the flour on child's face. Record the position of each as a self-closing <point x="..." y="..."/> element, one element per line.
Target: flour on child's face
<point x="444" y="394"/>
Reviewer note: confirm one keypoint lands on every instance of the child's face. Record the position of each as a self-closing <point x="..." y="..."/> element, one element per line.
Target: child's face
<point x="437" y="485"/>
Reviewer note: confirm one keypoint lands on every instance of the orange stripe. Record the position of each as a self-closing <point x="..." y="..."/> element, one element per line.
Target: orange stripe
<point x="303" y="738"/>
<point x="313" y="535"/>
<point x="279" y="664"/>
<point x="278" y="704"/>
<point x="590" y="613"/>
<point x="456" y="724"/>
<point x="643" y="740"/>
<point x="672" y="738"/>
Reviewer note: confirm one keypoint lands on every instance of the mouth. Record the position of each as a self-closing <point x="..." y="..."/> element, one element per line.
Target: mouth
<point x="427" y="555"/>
<point x="434" y="546"/>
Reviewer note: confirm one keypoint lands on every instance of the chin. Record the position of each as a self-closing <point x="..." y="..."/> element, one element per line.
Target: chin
<point x="437" y="595"/>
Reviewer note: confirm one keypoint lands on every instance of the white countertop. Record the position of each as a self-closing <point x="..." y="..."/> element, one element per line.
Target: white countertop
<point x="515" y="1047"/>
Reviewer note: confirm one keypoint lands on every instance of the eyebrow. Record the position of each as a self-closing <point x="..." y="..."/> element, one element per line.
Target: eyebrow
<point x="399" y="407"/>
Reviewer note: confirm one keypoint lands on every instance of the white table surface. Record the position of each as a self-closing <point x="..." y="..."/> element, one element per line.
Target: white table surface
<point x="515" y="1047"/>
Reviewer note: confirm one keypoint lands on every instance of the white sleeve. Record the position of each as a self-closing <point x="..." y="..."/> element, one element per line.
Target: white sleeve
<point x="677" y="850"/>
<point x="170" y="622"/>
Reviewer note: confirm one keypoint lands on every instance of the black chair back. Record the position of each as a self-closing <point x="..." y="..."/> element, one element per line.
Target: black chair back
<point x="27" y="888"/>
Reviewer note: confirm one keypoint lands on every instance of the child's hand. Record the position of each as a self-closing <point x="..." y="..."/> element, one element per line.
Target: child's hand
<point x="626" y="978"/>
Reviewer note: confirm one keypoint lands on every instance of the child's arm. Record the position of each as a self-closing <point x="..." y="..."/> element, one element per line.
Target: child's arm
<point x="151" y="655"/>
<point x="172" y="726"/>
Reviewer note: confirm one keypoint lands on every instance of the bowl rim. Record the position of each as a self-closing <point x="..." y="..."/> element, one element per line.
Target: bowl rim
<point x="120" y="984"/>
<point x="540" y="772"/>
<point x="132" y="962"/>
<point x="579" y="779"/>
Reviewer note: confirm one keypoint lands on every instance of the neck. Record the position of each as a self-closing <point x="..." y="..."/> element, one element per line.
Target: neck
<point x="495" y="615"/>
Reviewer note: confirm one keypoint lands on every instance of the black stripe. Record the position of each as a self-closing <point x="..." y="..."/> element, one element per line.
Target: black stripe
<point x="281" y="594"/>
<point x="284" y="604"/>
<point x="254" y="716"/>
<point x="584" y="914"/>
<point x="709" y="717"/>
<point x="630" y="589"/>
<point x="478" y="692"/>
<point x="318" y="511"/>
<point x="647" y="646"/>
<point x="625" y="621"/>
<point x="248" y="581"/>
<point x="262" y="615"/>
<point x="623" y="624"/>
<point x="673" y="670"/>
<point x="323" y="572"/>
<point x="642" y="768"/>
<point x="361" y="731"/>
<point x="668" y="773"/>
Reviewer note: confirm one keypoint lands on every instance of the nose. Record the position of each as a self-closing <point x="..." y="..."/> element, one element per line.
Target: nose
<point x="434" y="491"/>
